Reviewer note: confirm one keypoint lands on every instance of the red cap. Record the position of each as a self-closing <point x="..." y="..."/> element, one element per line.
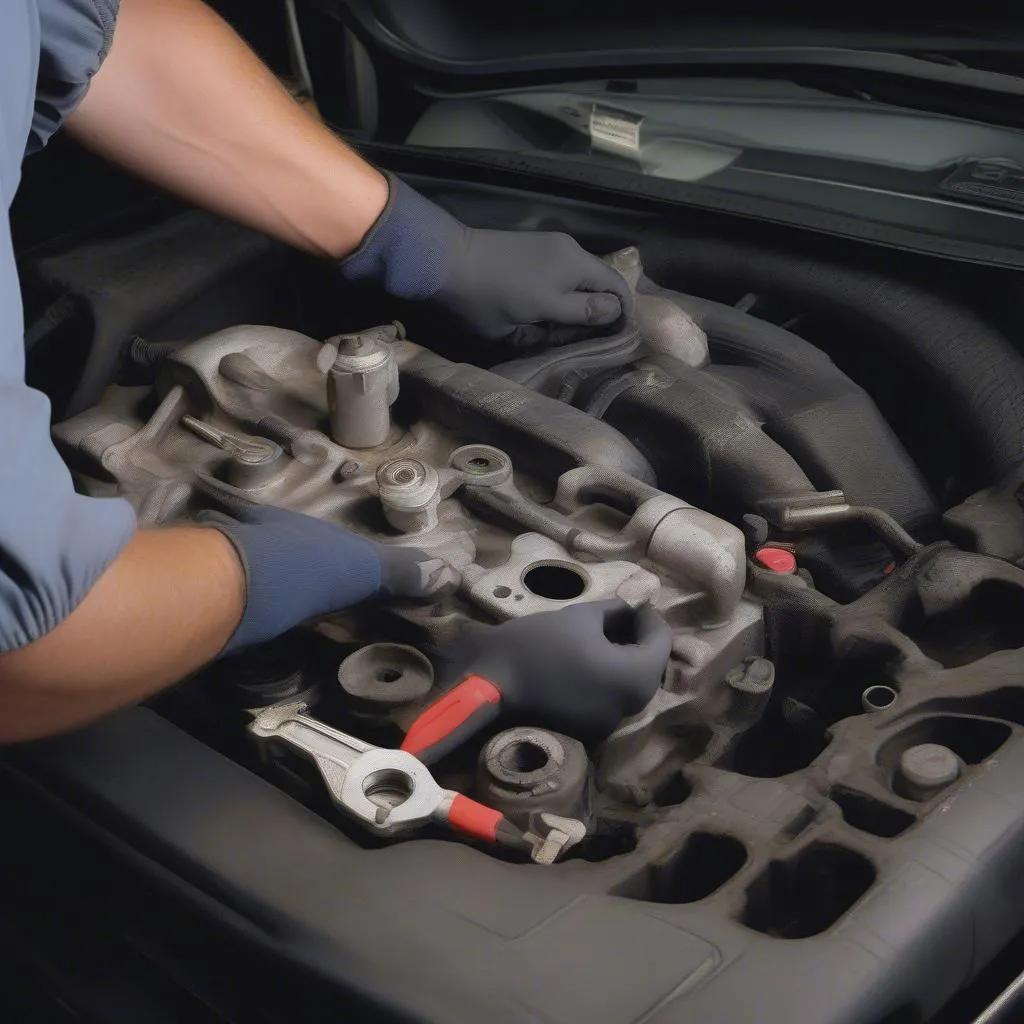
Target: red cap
<point x="776" y="559"/>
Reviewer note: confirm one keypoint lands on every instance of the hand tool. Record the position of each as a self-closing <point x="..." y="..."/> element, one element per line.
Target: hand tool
<point x="581" y="669"/>
<point x="391" y="792"/>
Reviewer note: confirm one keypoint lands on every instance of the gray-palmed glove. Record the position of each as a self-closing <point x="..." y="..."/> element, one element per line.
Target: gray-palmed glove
<point x="580" y="669"/>
<point x="507" y="286"/>
<point x="298" y="568"/>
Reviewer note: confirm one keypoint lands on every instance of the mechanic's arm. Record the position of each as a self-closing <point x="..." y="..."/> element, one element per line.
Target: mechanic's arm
<point x="166" y="605"/>
<point x="170" y="601"/>
<point x="182" y="101"/>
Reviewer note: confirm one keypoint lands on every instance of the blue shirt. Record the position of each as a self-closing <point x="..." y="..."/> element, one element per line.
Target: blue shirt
<point x="54" y="543"/>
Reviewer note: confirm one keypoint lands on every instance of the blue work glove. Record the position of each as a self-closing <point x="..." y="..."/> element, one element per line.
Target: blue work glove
<point x="510" y="286"/>
<point x="298" y="568"/>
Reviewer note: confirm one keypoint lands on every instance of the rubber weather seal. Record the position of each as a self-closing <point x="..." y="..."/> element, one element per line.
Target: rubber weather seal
<point x="627" y="189"/>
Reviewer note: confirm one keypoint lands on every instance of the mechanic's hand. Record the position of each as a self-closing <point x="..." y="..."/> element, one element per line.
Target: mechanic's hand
<point x="582" y="670"/>
<point x="510" y="286"/>
<point x="297" y="567"/>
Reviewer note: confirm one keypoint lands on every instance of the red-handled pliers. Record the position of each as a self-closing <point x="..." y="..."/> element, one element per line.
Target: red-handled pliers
<point x="348" y="765"/>
<point x="462" y="711"/>
<point x="580" y="669"/>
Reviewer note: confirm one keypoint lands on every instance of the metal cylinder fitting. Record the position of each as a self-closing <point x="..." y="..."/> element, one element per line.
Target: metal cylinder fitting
<point x="925" y="769"/>
<point x="524" y="771"/>
<point x="750" y="684"/>
<point x="361" y="386"/>
<point x="878" y="698"/>
<point x="410" y="493"/>
<point x="255" y="466"/>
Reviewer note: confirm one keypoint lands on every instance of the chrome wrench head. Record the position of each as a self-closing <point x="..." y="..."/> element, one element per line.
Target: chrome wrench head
<point x="390" y="791"/>
<point x="387" y="791"/>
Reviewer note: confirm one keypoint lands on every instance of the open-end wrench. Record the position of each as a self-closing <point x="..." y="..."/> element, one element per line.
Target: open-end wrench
<point x="354" y="771"/>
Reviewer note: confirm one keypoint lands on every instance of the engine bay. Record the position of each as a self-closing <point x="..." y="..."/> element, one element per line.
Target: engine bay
<point x="841" y="670"/>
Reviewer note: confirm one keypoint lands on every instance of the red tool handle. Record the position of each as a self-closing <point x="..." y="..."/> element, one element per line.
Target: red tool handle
<point x="485" y="823"/>
<point x="460" y="712"/>
<point x="472" y="819"/>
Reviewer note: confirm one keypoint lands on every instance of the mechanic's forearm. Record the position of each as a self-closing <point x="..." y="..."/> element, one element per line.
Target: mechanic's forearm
<point x="167" y="605"/>
<point x="183" y="102"/>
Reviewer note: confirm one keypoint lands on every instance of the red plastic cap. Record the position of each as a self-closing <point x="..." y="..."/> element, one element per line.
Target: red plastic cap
<point x="776" y="559"/>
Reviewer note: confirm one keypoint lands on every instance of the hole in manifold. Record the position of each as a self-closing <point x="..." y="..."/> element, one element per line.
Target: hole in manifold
<point x="557" y="581"/>
<point x="620" y="627"/>
<point x="1007" y="702"/>
<point x="606" y="839"/>
<point x="523" y="757"/>
<point x="778" y="744"/>
<point x="388" y="675"/>
<point x="802" y="896"/>
<point x="705" y="863"/>
<point x="867" y="814"/>
<point x="990" y="618"/>
<point x="672" y="791"/>
<point x="878" y="698"/>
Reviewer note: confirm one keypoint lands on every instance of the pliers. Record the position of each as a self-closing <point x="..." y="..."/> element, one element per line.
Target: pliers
<point x="391" y="792"/>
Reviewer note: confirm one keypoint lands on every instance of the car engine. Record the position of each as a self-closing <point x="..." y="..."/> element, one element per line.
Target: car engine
<point x="840" y="670"/>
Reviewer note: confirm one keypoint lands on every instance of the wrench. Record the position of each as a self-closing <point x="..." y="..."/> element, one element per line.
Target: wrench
<point x="355" y="771"/>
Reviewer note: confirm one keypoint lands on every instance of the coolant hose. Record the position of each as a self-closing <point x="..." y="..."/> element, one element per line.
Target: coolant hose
<point x="966" y="360"/>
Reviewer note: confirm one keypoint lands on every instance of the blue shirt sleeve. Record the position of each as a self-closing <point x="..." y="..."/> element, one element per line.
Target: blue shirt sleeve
<point x="75" y="36"/>
<point x="54" y="543"/>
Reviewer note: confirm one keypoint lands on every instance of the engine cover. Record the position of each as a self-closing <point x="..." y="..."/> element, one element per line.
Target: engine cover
<point x="809" y="768"/>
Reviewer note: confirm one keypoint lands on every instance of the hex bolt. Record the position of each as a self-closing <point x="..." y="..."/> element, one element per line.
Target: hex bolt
<point x="409" y="493"/>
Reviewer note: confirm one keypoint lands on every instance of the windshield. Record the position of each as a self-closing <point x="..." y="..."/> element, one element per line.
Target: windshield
<point x="770" y="138"/>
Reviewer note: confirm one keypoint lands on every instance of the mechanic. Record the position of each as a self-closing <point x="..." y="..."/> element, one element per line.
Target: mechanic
<point x="95" y="613"/>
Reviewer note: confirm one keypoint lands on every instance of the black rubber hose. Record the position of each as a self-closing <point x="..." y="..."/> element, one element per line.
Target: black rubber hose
<point x="822" y="418"/>
<point x="541" y="434"/>
<point x="969" y="363"/>
<point x="546" y="371"/>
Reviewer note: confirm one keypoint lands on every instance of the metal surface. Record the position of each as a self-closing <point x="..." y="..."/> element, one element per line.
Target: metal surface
<point x="361" y="385"/>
